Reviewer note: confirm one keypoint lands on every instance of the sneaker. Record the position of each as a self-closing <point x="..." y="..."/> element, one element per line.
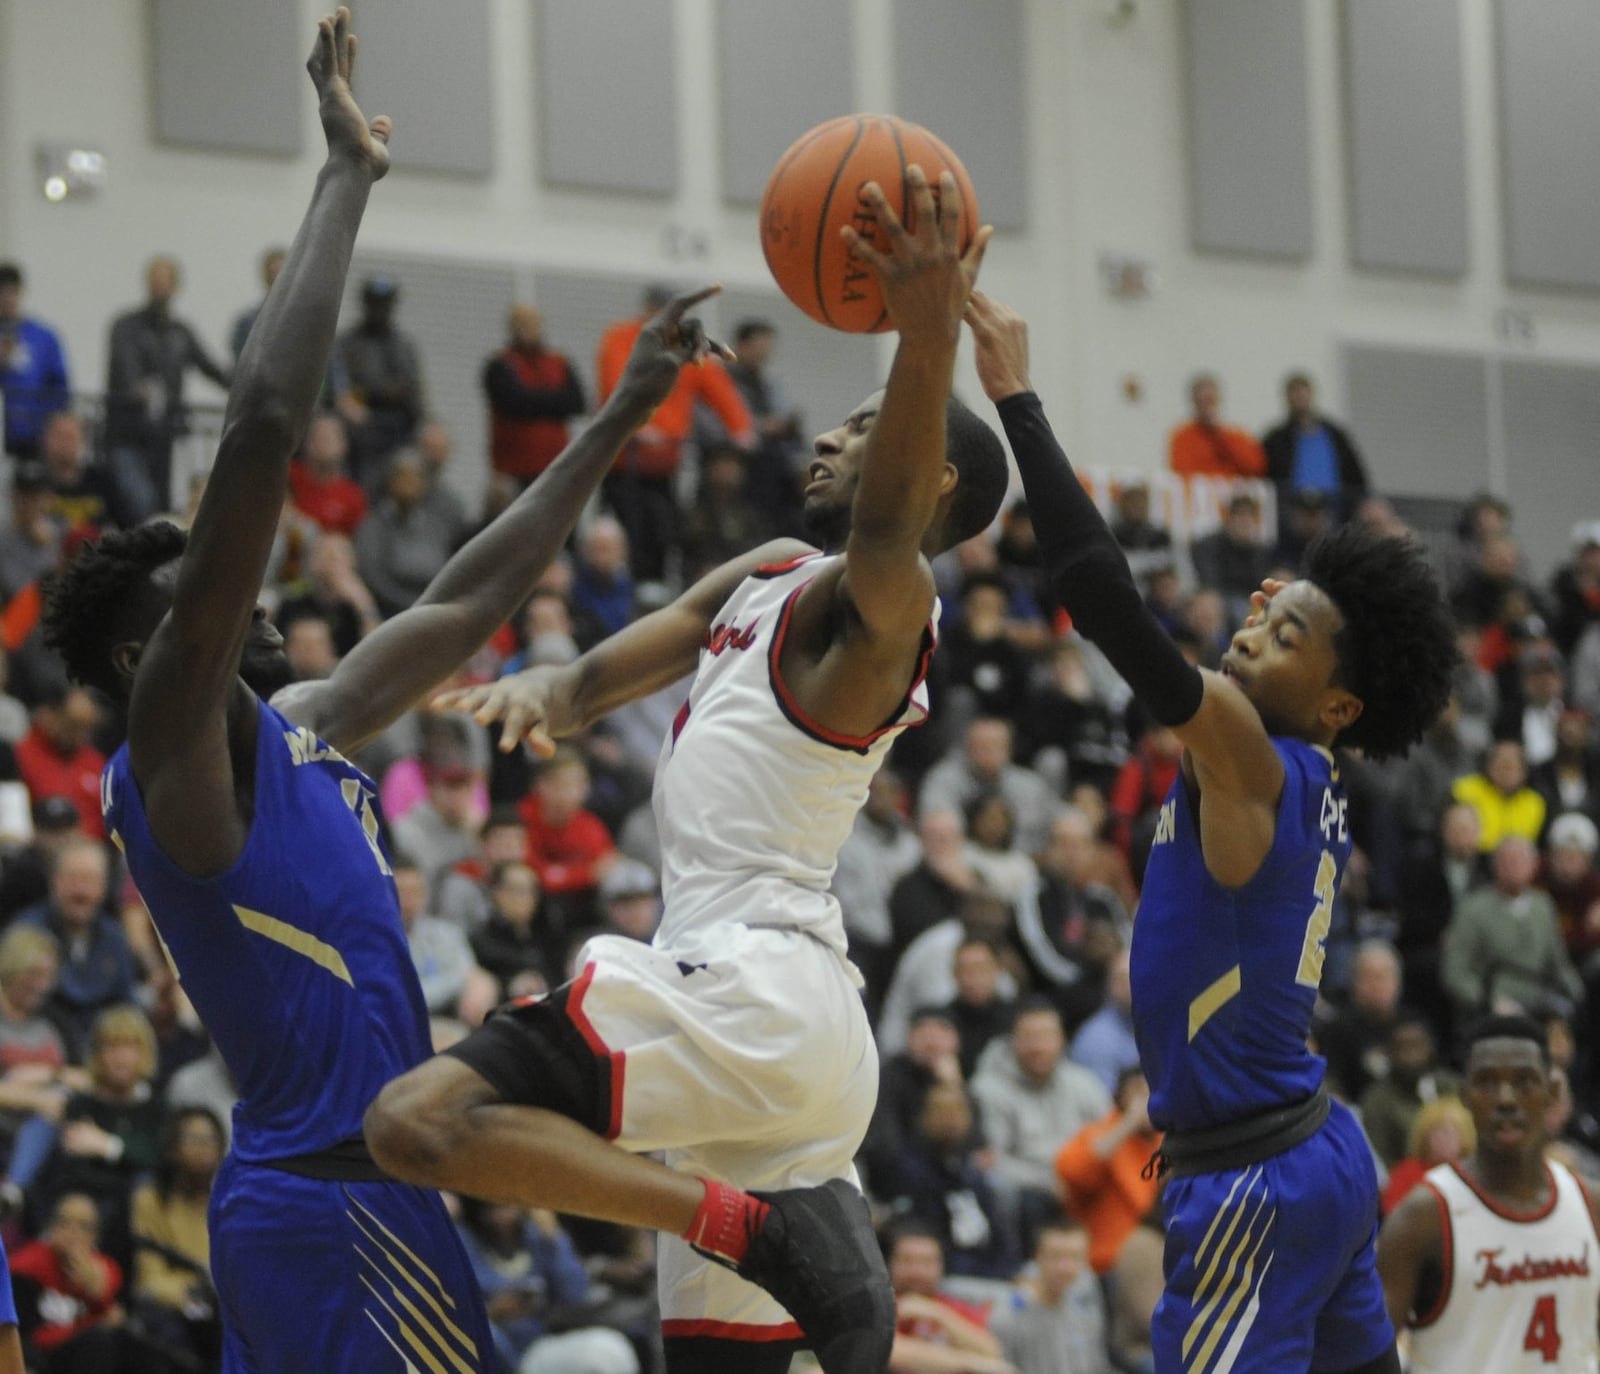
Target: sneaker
<point x="818" y="1256"/>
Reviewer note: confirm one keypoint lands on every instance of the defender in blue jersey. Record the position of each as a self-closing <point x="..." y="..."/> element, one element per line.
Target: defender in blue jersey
<point x="1271" y="1199"/>
<point x="257" y="845"/>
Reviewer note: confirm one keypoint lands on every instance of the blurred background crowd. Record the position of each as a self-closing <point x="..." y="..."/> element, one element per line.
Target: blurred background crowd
<point x="989" y="889"/>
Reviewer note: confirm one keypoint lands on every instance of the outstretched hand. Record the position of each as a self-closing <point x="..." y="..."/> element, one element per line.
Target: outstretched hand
<point x="1001" y="336"/>
<point x="924" y="275"/>
<point x="346" y="128"/>
<point x="522" y="703"/>
<point x="1270" y="587"/>
<point x="670" y="338"/>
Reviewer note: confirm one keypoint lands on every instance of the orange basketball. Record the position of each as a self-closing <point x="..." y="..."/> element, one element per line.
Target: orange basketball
<point x="816" y="189"/>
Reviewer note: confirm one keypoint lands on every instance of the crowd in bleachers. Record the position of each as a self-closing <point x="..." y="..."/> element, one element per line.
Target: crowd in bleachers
<point x="989" y="889"/>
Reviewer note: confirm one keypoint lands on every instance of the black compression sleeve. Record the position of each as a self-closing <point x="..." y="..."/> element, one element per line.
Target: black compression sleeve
<point x="1089" y="573"/>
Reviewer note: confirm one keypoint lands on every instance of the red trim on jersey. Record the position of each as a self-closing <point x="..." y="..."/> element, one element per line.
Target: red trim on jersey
<point x="1587" y="1200"/>
<point x="1447" y="1277"/>
<point x="591" y="1037"/>
<point x="797" y="714"/>
<point x="679" y="721"/>
<point x="787" y="566"/>
<point x="730" y="1331"/>
<point x="1505" y="1213"/>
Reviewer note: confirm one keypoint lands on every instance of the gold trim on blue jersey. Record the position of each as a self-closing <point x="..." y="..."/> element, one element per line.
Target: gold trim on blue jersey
<point x="1214" y="999"/>
<point x="1236" y="1281"/>
<point x="302" y="942"/>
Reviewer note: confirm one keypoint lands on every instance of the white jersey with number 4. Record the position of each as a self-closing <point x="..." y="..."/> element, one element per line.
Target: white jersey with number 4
<point x="1519" y="1292"/>
<point x="754" y="799"/>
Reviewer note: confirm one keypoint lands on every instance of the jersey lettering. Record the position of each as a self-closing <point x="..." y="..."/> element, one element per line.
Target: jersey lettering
<point x="359" y="800"/>
<point x="1334" y="821"/>
<point x="731" y="637"/>
<point x="304" y="747"/>
<point x="1315" y="949"/>
<point x="1167" y="823"/>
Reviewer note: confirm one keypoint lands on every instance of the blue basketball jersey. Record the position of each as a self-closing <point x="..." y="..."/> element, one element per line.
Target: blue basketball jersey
<point x="1224" y="979"/>
<point x="295" y="957"/>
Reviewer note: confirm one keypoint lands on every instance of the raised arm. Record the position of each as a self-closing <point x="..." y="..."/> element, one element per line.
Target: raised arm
<point x="1235" y="764"/>
<point x="542" y="705"/>
<point x="177" y="728"/>
<point x="484" y="583"/>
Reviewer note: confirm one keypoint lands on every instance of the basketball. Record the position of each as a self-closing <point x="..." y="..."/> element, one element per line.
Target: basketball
<point x="815" y="190"/>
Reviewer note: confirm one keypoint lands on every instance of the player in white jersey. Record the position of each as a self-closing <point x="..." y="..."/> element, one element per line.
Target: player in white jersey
<point x="736" y="1041"/>
<point x="1495" y="1263"/>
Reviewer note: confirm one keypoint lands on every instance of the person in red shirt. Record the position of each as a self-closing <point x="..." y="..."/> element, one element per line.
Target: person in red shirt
<point x="66" y="1289"/>
<point x="56" y="759"/>
<point x="1102" y="1169"/>
<point x="1205" y="447"/>
<point x="1140" y="788"/>
<point x="639" y="487"/>
<point x="533" y="392"/>
<point x="317" y="480"/>
<point x="568" y="847"/>
<point x="934" y="1333"/>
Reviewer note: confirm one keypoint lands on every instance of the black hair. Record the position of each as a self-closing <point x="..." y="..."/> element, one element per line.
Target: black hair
<point x="503" y="814"/>
<point x="10" y="274"/>
<point x="985" y="577"/>
<point x="749" y="329"/>
<point x="1125" y="1077"/>
<point x="1508" y="1028"/>
<point x="982" y="473"/>
<point x="1034" y="1004"/>
<point x="89" y="603"/>
<point x="910" y="1228"/>
<point x="1397" y="649"/>
<point x="166" y="1172"/>
<point x="1058" y="1220"/>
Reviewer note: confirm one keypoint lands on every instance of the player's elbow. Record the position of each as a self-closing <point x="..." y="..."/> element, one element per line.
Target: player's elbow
<point x="410" y="1134"/>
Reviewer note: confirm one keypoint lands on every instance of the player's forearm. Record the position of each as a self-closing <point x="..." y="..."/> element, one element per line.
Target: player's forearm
<point x="905" y="458"/>
<point x="1088" y="571"/>
<point x="648" y="655"/>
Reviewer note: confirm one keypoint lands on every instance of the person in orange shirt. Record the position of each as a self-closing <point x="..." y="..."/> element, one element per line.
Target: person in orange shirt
<point x="1102" y="1170"/>
<point x="1205" y="447"/>
<point x="639" y="487"/>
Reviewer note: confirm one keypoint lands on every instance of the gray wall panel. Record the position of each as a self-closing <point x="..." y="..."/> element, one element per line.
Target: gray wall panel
<point x="219" y="74"/>
<point x="1421" y="419"/>
<point x="607" y="95"/>
<point x="960" y="69"/>
<point x="1408" y="147"/>
<point x="1552" y="420"/>
<point x="427" y="65"/>
<point x="1550" y="140"/>
<point x="784" y="68"/>
<point x="1249" y="127"/>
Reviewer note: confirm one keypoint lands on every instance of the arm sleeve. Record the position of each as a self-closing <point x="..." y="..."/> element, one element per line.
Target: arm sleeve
<point x="1089" y="573"/>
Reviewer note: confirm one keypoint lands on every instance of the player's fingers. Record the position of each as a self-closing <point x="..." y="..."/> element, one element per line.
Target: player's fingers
<point x="540" y="742"/>
<point x="921" y="201"/>
<point x="341" y="40"/>
<point x="679" y="305"/>
<point x="320" y="63"/>
<point x="949" y="206"/>
<point x="692" y="339"/>
<point x="381" y="128"/>
<point x="721" y="350"/>
<point x="518" y="720"/>
<point x="862" y="251"/>
<point x="893" y="230"/>
<point x="458" y="699"/>
<point x="973" y="257"/>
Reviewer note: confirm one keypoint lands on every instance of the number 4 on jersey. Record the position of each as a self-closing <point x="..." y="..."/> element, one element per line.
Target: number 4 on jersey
<point x="1542" y="1334"/>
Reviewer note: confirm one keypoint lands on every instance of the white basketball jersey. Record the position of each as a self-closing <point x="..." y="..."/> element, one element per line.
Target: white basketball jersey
<point x="753" y="799"/>
<point x="1520" y="1293"/>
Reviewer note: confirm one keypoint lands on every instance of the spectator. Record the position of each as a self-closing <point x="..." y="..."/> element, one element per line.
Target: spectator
<point x="981" y="662"/>
<point x="377" y="374"/>
<point x="1570" y="877"/>
<point x="1530" y="712"/>
<point x="172" y="1290"/>
<point x="1429" y="772"/>
<point x="25" y="870"/>
<point x="309" y="647"/>
<point x="1070" y="731"/>
<point x="151" y="350"/>
<point x="435" y="447"/>
<point x="30" y="543"/>
<point x="992" y="850"/>
<point x="1309" y="452"/>
<point x="602" y="587"/>
<point x="510" y="942"/>
<point x="14" y="718"/>
<point x="1302" y="517"/>
<point x="979" y="1010"/>
<point x="931" y="1056"/>
<point x="83" y="499"/>
<point x="442" y="830"/>
<point x="985" y="764"/>
<point x="1574" y="588"/>
<point x="1134" y="1288"/>
<point x="97" y="963"/>
<point x="1055" y="1320"/>
<point x="1500" y="794"/>
<point x="1205" y="446"/>
<point x="33" y="369"/>
<point x="334" y="592"/>
<point x="402" y="543"/>
<point x="1504" y="947"/>
<point x="1145" y="545"/>
<point x="1140" y="790"/>
<point x="639" y="488"/>
<point x="33" y="1057"/>
<point x="1442" y="1132"/>
<point x="780" y="452"/>
<point x="111" y="1132"/>
<point x="533" y="392"/>
<point x="935" y="888"/>
<point x="1032" y="1098"/>
<point x="567" y="845"/>
<point x="1415" y="1078"/>
<point x="727" y="519"/>
<point x="1103" y="1170"/>
<point x="1569" y="780"/>
<point x="1234" y="559"/>
<point x="1438" y="873"/>
<point x="934" y="1332"/>
<point x="318" y="482"/>
<point x="56" y="758"/>
<point x="205" y="1082"/>
<point x="271" y="264"/>
<point x="439" y="951"/>
<point x="67" y="1292"/>
<point x="879" y="851"/>
<point x="1104" y="1043"/>
<point x="1355" y="1041"/>
<point x="925" y="975"/>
